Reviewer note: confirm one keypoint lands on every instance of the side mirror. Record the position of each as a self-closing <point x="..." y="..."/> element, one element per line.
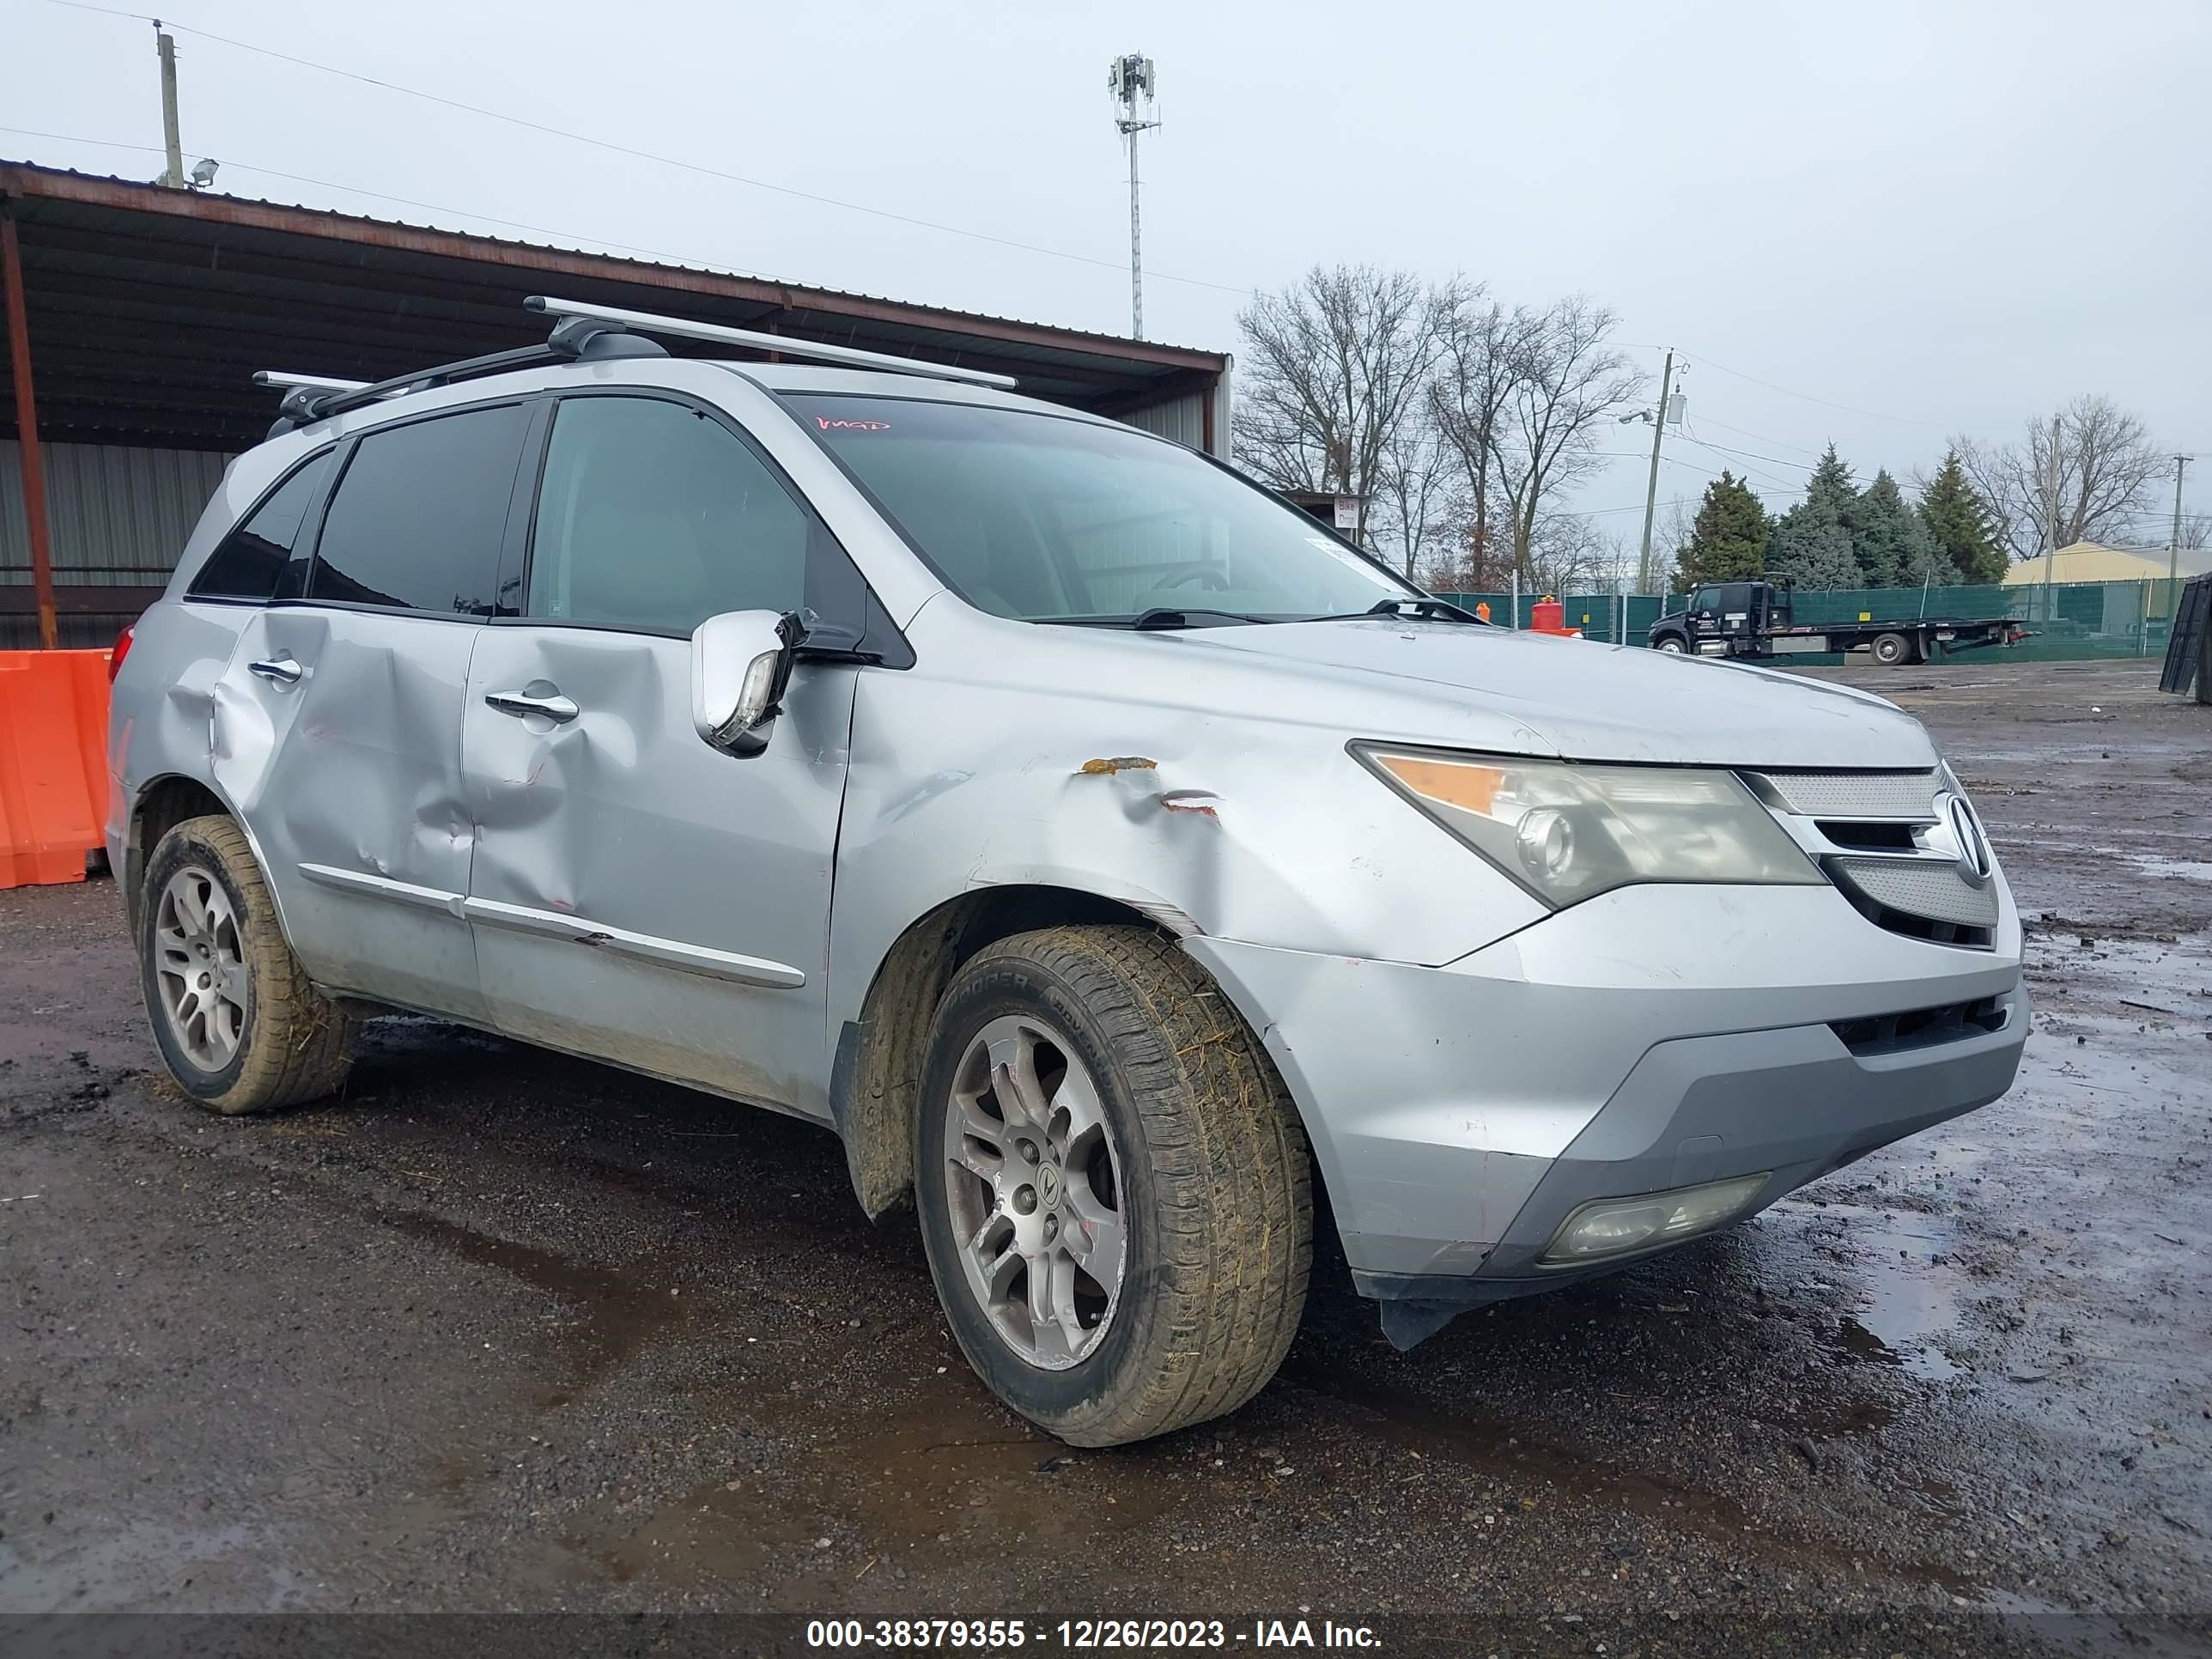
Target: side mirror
<point x="740" y="666"/>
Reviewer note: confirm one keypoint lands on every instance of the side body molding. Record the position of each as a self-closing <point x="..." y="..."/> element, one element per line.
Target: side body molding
<point x="580" y="930"/>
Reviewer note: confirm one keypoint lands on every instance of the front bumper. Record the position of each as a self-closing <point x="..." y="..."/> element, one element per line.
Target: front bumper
<point x="1651" y="1038"/>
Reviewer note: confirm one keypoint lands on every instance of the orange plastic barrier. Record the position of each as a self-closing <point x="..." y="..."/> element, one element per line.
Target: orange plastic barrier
<point x="53" y="763"/>
<point x="1550" y="617"/>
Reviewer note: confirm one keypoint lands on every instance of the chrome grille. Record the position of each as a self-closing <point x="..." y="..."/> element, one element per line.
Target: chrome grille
<point x="1909" y="795"/>
<point x="1919" y="888"/>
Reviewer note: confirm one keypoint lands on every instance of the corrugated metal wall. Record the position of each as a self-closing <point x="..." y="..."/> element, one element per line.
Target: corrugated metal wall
<point x="1183" y="419"/>
<point x="119" y="516"/>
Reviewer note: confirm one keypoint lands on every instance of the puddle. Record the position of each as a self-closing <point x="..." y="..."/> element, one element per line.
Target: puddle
<point x="1907" y="1299"/>
<point x="621" y="1316"/>
<point x="2187" y="869"/>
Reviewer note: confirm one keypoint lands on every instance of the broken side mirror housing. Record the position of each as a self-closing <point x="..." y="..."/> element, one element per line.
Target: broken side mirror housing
<point x="741" y="663"/>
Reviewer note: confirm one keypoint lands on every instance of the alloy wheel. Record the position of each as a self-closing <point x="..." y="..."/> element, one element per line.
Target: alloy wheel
<point x="1033" y="1177"/>
<point x="200" y="967"/>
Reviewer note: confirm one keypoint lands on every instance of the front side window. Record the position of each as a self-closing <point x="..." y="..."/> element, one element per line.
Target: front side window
<point x="416" y="521"/>
<point x="248" y="561"/>
<point x="1043" y="519"/>
<point x="655" y="516"/>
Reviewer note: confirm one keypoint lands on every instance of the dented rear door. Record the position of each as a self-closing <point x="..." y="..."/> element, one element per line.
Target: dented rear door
<point x="636" y="894"/>
<point x="338" y="722"/>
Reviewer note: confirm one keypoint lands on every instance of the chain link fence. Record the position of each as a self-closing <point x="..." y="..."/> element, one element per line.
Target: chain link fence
<point x="2069" y="620"/>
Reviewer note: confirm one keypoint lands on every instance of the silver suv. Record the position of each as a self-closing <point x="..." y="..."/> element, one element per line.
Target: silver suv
<point x="1111" y="855"/>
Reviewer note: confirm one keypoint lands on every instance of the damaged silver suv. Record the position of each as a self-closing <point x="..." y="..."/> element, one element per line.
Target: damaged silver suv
<point x="1113" y="857"/>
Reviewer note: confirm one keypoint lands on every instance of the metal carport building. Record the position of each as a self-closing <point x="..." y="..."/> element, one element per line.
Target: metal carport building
<point x="137" y="313"/>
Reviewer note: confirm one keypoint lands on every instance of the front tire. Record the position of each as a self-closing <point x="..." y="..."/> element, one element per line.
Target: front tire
<point x="1114" y="1193"/>
<point x="233" y="1012"/>
<point x="1674" y="645"/>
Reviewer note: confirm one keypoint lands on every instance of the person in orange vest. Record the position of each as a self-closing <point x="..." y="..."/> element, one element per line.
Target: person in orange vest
<point x="1482" y="610"/>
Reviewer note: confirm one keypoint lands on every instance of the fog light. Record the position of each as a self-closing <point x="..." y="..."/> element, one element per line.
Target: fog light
<point x="1611" y="1226"/>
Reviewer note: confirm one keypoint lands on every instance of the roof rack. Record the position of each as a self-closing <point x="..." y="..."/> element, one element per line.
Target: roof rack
<point x="316" y="398"/>
<point x="278" y="377"/>
<point x="682" y="328"/>
<point x="584" y="333"/>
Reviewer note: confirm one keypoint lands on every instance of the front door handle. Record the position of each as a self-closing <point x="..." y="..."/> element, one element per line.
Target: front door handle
<point x="283" y="671"/>
<point x="557" y="708"/>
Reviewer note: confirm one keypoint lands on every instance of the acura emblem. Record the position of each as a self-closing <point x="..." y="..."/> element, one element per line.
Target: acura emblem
<point x="1954" y="817"/>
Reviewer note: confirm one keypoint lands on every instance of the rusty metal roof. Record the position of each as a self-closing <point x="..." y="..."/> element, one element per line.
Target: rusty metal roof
<point x="149" y="307"/>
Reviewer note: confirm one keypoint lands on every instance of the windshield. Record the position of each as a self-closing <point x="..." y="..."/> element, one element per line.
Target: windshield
<point x="1045" y="519"/>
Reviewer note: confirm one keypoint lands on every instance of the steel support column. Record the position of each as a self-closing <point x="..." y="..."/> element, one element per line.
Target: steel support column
<point x="27" y="432"/>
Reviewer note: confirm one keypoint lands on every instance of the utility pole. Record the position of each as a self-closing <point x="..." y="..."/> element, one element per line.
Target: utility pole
<point x="2050" y="520"/>
<point x="164" y="42"/>
<point x="1651" y="484"/>
<point x="2174" y="543"/>
<point x="1132" y="82"/>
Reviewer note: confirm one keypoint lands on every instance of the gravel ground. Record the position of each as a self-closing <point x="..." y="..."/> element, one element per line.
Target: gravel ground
<point x="502" y="1331"/>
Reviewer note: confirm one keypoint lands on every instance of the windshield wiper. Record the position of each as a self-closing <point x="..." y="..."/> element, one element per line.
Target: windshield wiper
<point x="1424" y="610"/>
<point x="1159" y="618"/>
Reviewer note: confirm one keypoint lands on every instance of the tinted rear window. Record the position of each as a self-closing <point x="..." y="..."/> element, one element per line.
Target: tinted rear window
<point x="253" y="557"/>
<point x="418" y="518"/>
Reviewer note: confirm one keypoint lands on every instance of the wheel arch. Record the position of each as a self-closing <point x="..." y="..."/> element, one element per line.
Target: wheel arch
<point x="164" y="803"/>
<point x="167" y="800"/>
<point x="875" y="1078"/>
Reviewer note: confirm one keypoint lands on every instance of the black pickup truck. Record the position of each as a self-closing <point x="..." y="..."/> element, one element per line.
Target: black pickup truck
<point x="1753" y="619"/>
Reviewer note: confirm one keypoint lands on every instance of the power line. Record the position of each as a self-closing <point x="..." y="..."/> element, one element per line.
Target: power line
<point x="1763" y="437"/>
<point x="1802" y="466"/>
<point x="1707" y="363"/>
<point x="631" y="151"/>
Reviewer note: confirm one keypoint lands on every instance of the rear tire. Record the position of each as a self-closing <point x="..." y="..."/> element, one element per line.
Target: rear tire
<point x="1207" y="1185"/>
<point x="1890" y="649"/>
<point x="233" y="1012"/>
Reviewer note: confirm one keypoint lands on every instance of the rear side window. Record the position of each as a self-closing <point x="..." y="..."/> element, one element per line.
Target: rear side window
<point x="653" y="516"/>
<point x="248" y="561"/>
<point x="418" y="515"/>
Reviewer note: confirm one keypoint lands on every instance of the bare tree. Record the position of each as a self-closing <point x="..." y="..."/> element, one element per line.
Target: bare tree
<point x="1567" y="384"/>
<point x="1333" y="367"/>
<point x="2106" y="466"/>
<point x="1410" y="513"/>
<point x="1468" y="402"/>
<point x="1572" y="553"/>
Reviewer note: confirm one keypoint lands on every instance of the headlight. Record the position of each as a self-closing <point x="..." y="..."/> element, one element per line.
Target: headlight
<point x="1566" y="832"/>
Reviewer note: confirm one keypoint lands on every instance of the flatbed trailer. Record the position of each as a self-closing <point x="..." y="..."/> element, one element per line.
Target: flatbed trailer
<point x="1753" y="619"/>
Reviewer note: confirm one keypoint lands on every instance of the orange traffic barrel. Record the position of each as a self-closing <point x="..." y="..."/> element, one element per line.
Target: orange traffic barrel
<point x="53" y="767"/>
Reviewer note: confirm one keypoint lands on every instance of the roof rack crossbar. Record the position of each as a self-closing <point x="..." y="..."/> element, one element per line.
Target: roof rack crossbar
<point x="287" y="381"/>
<point x="315" y="398"/>
<point x="645" y="322"/>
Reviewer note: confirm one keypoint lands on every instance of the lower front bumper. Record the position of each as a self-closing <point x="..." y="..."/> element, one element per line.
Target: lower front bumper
<point x="1460" y="1114"/>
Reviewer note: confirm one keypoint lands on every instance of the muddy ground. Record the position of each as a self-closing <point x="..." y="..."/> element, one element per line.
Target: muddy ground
<point x="500" y="1331"/>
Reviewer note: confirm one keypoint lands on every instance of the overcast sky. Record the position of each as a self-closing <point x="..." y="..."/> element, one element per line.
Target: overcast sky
<point x="1944" y="217"/>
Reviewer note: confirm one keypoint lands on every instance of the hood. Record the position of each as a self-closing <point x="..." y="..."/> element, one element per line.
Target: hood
<point x="1600" y="702"/>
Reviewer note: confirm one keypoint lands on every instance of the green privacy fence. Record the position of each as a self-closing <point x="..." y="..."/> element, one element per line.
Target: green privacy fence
<point x="2070" y="621"/>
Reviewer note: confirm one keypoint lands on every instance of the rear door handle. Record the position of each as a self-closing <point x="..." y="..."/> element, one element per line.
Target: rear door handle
<point x="284" y="671"/>
<point x="557" y="708"/>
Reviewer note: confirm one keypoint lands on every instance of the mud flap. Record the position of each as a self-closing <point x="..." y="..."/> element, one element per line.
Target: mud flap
<point x="1408" y="1323"/>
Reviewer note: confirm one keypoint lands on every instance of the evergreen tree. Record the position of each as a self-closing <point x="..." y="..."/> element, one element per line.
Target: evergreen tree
<point x="1961" y="525"/>
<point x="1893" y="548"/>
<point x="1811" y="542"/>
<point x="1728" y="542"/>
<point x="1830" y="492"/>
<point x="1811" y="554"/>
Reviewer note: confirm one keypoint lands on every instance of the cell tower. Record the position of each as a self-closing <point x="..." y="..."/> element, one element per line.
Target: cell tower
<point x="1132" y="82"/>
